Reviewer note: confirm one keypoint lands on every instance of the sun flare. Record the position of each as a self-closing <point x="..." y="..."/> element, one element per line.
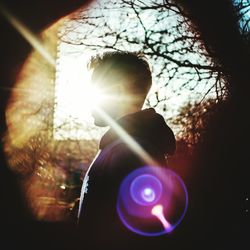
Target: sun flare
<point x="75" y="97"/>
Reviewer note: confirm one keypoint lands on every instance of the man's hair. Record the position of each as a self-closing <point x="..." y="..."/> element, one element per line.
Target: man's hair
<point x="129" y="68"/>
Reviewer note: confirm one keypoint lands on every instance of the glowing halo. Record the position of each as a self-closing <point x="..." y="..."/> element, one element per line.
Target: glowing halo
<point x="145" y="189"/>
<point x="152" y="201"/>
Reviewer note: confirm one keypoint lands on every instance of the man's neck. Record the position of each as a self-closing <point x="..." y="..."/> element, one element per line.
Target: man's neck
<point x="128" y="112"/>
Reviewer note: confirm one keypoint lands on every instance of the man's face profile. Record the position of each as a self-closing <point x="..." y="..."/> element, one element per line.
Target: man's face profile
<point x="123" y="79"/>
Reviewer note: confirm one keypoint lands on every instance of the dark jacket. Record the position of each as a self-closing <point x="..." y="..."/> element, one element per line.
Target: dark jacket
<point x="98" y="219"/>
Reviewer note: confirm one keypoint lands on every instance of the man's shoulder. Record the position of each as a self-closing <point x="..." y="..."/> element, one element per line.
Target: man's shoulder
<point x="122" y="148"/>
<point x="118" y="150"/>
<point x="122" y="155"/>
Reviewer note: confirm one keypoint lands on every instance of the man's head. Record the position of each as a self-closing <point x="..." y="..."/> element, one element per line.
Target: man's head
<point x="124" y="78"/>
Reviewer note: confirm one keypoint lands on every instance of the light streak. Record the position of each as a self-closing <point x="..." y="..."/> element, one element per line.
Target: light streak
<point x="136" y="147"/>
<point x="28" y="35"/>
<point x="37" y="45"/>
<point x="157" y="211"/>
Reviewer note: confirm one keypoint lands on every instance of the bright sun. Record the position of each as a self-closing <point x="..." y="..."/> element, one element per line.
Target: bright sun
<point x="74" y="96"/>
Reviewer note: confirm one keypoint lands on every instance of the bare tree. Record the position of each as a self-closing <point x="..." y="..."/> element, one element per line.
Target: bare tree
<point x="243" y="10"/>
<point x="158" y="29"/>
<point x="192" y="121"/>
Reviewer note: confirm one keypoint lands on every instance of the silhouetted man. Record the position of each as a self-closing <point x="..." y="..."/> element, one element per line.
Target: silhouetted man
<point x="124" y="79"/>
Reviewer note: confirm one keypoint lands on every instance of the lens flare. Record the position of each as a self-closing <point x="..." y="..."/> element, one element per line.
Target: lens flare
<point x="148" y="194"/>
<point x="158" y="212"/>
<point x="145" y="190"/>
<point x="28" y="35"/>
<point x="152" y="201"/>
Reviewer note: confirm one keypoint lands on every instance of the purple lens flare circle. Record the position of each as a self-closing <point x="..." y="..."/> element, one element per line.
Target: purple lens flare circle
<point x="152" y="201"/>
<point x="145" y="189"/>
